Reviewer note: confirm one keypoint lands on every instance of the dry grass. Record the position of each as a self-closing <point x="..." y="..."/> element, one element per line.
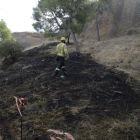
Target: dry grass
<point x="131" y="73"/>
<point x="129" y="126"/>
<point x="137" y="45"/>
<point x="122" y="52"/>
<point x="41" y="44"/>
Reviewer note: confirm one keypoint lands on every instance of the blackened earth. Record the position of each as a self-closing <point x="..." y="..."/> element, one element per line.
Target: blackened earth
<point x="90" y="93"/>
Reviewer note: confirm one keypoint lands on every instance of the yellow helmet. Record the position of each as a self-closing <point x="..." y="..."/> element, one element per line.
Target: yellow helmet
<point x="63" y="39"/>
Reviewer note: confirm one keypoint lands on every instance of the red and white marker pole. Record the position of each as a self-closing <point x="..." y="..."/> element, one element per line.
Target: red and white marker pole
<point x="22" y="104"/>
<point x="20" y="112"/>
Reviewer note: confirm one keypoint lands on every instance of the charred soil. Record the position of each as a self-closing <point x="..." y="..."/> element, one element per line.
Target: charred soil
<point x="91" y="102"/>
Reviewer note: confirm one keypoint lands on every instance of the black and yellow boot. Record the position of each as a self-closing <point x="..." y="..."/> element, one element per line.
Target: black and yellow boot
<point x="64" y="71"/>
<point x="54" y="73"/>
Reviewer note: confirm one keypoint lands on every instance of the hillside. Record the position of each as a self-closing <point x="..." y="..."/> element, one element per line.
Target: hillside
<point x="99" y="99"/>
<point x="29" y="38"/>
<point x="124" y="18"/>
<point x="92" y="102"/>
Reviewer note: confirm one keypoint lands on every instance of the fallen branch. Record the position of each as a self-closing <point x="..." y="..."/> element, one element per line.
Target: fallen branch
<point x="69" y="136"/>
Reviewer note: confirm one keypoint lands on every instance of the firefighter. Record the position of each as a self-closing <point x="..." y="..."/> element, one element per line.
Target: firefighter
<point x="62" y="55"/>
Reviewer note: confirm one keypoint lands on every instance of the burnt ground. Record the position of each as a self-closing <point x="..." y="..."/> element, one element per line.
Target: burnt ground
<point x="91" y="102"/>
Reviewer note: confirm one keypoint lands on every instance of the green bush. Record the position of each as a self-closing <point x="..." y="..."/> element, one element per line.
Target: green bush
<point x="11" y="49"/>
<point x="51" y="39"/>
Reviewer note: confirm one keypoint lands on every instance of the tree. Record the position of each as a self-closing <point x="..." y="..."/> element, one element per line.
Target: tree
<point x="61" y="15"/>
<point x="48" y="14"/>
<point x="97" y="8"/>
<point x="4" y="31"/>
<point x="77" y="15"/>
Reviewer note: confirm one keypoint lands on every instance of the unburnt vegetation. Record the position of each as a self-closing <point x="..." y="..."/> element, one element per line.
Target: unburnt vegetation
<point x="92" y="102"/>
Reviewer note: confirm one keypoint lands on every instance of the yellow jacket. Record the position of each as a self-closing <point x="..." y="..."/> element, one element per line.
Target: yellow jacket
<point x="62" y="50"/>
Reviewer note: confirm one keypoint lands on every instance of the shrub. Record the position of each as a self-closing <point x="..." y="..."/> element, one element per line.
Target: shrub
<point x="51" y="39"/>
<point x="11" y="49"/>
<point x="132" y="31"/>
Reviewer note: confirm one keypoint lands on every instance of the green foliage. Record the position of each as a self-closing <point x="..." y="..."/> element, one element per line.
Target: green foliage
<point x="11" y="49"/>
<point x="77" y="28"/>
<point x="98" y="7"/>
<point x="37" y="26"/>
<point x="58" y="14"/>
<point x="47" y="14"/>
<point x="4" y="31"/>
<point x="51" y="39"/>
<point x="81" y="16"/>
<point x="55" y="14"/>
<point x="36" y="14"/>
<point x="49" y="32"/>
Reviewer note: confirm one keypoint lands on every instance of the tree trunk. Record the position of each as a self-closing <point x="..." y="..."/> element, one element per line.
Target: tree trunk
<point x="73" y="35"/>
<point x="97" y="27"/>
<point x="61" y="33"/>
<point x="76" y="43"/>
<point x="68" y="41"/>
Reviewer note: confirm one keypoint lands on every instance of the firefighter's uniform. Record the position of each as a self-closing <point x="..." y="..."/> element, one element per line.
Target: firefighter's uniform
<point x="62" y="55"/>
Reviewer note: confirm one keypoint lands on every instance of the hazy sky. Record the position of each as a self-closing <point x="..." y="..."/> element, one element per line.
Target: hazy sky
<point x="18" y="14"/>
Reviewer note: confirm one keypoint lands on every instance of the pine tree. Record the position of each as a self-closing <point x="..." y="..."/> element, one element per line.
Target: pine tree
<point x="61" y="15"/>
